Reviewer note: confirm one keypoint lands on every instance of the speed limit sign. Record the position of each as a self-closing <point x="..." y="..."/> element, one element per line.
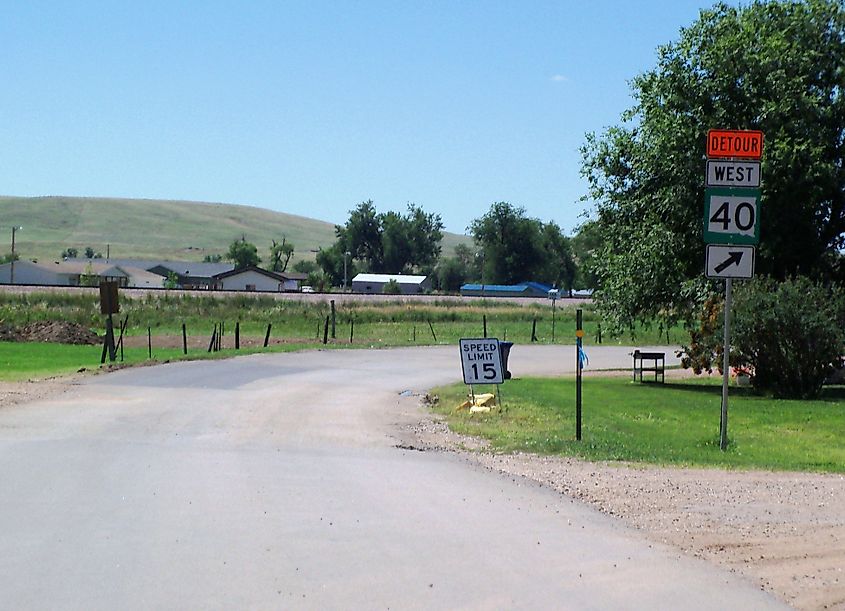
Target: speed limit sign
<point x="731" y="216"/>
<point x="481" y="361"/>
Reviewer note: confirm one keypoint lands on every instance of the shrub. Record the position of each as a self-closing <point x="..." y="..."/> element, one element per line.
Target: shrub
<point x="788" y="335"/>
<point x="391" y="287"/>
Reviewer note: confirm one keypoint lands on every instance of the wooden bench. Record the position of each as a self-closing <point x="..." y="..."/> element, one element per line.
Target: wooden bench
<point x="659" y="367"/>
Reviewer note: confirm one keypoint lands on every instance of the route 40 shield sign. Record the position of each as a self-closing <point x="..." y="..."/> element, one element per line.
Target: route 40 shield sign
<point x="731" y="216"/>
<point x="481" y="361"/>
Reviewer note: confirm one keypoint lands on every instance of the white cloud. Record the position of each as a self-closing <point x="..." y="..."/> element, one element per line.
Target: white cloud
<point x="559" y="78"/>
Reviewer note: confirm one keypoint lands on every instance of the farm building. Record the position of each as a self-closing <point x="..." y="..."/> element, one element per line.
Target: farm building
<point x="84" y="272"/>
<point x="524" y="289"/>
<point x="374" y="283"/>
<point x="257" y="279"/>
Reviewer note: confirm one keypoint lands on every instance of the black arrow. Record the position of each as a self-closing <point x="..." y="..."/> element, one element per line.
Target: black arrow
<point x="734" y="259"/>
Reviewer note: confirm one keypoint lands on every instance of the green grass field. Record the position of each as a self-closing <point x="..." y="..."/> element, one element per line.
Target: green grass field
<point x="384" y="323"/>
<point x="40" y="360"/>
<point x="676" y="423"/>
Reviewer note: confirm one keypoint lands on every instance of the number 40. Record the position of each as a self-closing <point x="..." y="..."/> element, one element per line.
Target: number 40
<point x="743" y="216"/>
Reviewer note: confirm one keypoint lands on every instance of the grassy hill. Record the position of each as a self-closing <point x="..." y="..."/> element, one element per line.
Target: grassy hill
<point x="146" y="228"/>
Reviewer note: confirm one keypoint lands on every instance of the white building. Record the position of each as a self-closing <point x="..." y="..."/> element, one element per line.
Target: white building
<point x="257" y="279"/>
<point x="374" y="283"/>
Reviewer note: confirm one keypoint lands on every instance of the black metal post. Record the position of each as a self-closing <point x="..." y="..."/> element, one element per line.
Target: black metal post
<point x="578" y="334"/>
<point x="326" y="331"/>
<point x="334" y="336"/>
<point x="184" y="339"/>
<point x="351" y="330"/>
<point x="484" y="318"/>
<point x="267" y="335"/>
<point x="430" y="326"/>
<point x="150" y="342"/>
<point x="238" y="335"/>
<point x="213" y="341"/>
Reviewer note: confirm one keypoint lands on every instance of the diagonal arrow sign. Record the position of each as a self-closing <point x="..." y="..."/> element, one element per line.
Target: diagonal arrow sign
<point x="734" y="259"/>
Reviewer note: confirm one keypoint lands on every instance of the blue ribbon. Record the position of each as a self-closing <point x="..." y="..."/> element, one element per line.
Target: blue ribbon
<point x="583" y="360"/>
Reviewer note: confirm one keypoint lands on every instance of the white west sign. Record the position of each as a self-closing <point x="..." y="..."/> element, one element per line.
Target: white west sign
<point x="481" y="361"/>
<point x="722" y="173"/>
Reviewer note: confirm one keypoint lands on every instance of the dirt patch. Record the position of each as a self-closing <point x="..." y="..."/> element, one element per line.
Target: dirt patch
<point x="58" y="332"/>
<point x="784" y="531"/>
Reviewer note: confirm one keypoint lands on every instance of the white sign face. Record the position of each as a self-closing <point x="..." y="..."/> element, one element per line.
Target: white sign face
<point x="725" y="261"/>
<point x="481" y="361"/>
<point x="722" y="173"/>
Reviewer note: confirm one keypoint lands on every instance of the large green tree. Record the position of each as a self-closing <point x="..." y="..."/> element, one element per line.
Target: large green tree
<point x="775" y="66"/>
<point x="514" y="248"/>
<point x="280" y="255"/>
<point x="243" y="254"/>
<point x="384" y="242"/>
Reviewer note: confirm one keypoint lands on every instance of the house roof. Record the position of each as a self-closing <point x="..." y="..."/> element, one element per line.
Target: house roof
<point x="400" y="278"/>
<point x="183" y="268"/>
<point x="194" y="268"/>
<point x="496" y="288"/>
<point x="522" y="287"/>
<point x="82" y="266"/>
<point x="280" y="276"/>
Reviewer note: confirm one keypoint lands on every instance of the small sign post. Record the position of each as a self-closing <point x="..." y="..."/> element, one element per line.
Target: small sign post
<point x="579" y="336"/>
<point x="731" y="224"/>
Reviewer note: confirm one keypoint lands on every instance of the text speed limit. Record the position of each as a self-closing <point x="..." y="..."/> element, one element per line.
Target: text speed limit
<point x="481" y="361"/>
<point x="731" y="216"/>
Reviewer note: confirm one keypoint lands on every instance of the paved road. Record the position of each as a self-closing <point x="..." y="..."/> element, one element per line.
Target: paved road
<point x="273" y="481"/>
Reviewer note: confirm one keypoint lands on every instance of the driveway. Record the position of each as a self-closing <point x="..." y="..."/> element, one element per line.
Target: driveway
<point x="274" y="481"/>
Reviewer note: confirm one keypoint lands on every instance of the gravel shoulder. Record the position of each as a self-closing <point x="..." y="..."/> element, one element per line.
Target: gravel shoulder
<point x="783" y="531"/>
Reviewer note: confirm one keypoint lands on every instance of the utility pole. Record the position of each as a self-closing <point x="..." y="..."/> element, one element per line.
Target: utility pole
<point x="345" y="257"/>
<point x="12" y="262"/>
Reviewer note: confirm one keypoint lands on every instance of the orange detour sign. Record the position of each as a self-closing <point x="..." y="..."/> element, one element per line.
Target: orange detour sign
<point x="734" y="143"/>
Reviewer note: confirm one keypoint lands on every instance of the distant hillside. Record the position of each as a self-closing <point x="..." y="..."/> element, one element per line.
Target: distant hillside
<point x="146" y="228"/>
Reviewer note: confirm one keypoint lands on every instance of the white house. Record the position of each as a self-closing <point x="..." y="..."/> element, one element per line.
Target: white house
<point x="374" y="283"/>
<point x="257" y="279"/>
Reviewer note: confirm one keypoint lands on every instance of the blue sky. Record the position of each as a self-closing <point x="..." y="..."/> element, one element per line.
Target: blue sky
<point x="312" y="107"/>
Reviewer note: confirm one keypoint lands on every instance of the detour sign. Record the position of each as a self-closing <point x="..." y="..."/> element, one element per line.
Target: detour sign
<point x="734" y="143"/>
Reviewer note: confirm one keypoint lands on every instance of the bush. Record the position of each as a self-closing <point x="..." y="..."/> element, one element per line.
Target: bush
<point x="391" y="287"/>
<point x="788" y="335"/>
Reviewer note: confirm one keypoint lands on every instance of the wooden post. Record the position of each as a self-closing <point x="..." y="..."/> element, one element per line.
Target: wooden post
<point x="184" y="339"/>
<point x="238" y="335"/>
<point x="267" y="335"/>
<point x="213" y="341"/>
<point x="110" y="337"/>
<point x="123" y="325"/>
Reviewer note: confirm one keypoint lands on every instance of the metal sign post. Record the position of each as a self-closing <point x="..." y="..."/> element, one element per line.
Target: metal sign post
<point x="723" y="421"/>
<point x="731" y="219"/>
